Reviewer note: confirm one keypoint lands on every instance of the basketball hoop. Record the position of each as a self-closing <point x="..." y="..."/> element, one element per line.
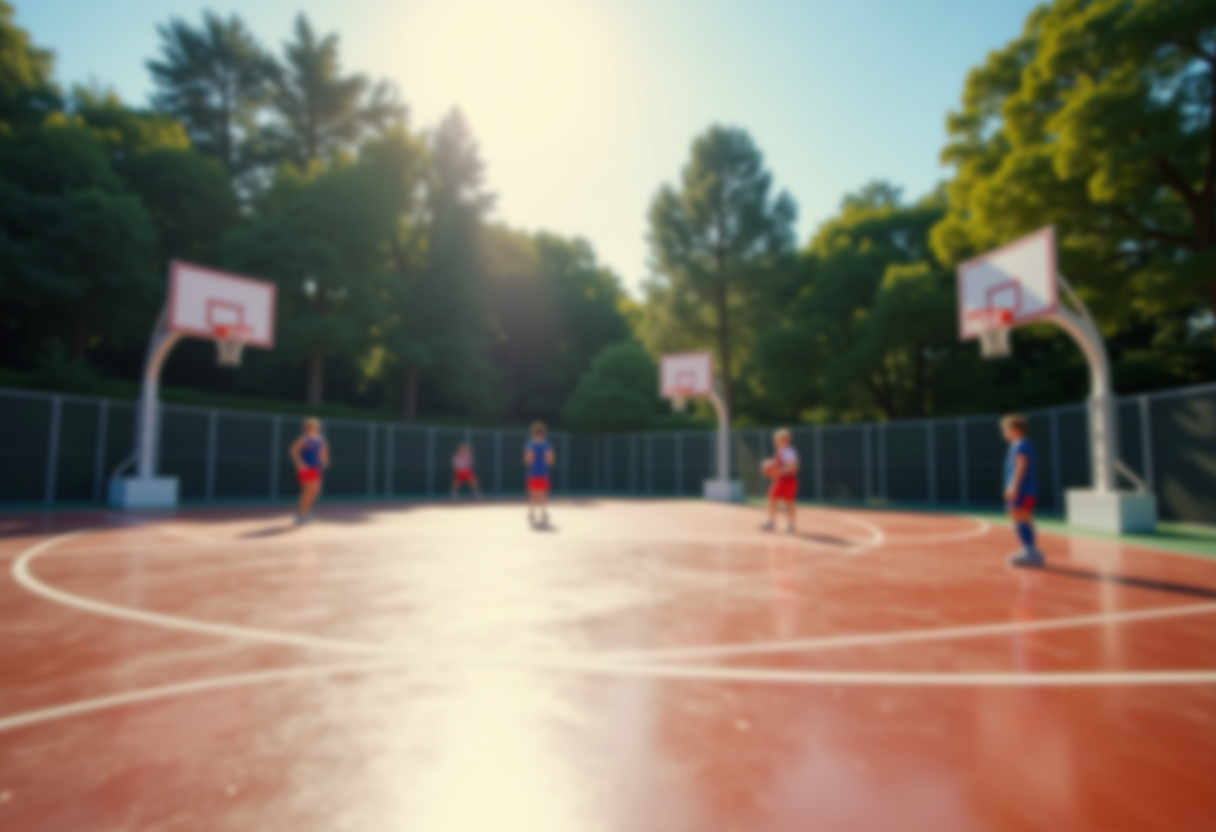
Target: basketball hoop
<point x="230" y="344"/>
<point x="993" y="328"/>
<point x="679" y="401"/>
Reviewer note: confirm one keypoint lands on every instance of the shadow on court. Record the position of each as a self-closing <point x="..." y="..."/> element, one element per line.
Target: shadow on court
<point x="271" y="531"/>
<point x="825" y="538"/>
<point x="1137" y="583"/>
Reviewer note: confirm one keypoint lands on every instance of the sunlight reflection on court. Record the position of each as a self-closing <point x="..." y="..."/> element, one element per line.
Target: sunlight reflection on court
<point x="488" y="755"/>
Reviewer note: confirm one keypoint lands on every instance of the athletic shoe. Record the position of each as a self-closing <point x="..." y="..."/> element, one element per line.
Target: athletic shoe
<point x="767" y="526"/>
<point x="1030" y="558"/>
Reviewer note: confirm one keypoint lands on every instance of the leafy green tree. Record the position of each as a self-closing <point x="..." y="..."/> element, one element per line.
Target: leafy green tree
<point x="27" y="93"/>
<point x="189" y="197"/>
<point x="1097" y="119"/>
<point x="326" y="238"/>
<point x="214" y="78"/>
<point x="872" y="314"/>
<point x="453" y="318"/>
<point x="717" y="237"/>
<point x="553" y="308"/>
<point x="618" y="392"/>
<point x="321" y="111"/>
<point x="75" y="243"/>
<point x="190" y="200"/>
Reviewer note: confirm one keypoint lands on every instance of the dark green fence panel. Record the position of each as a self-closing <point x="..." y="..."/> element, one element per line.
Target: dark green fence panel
<point x="61" y="448"/>
<point x="699" y="452"/>
<point x="245" y="457"/>
<point x="946" y="482"/>
<point x="185" y="444"/>
<point x="25" y="436"/>
<point x="1183" y="435"/>
<point x="349" y="452"/>
<point x="906" y="459"/>
<point x="514" y="475"/>
<point x="844" y="458"/>
<point x="485" y="458"/>
<point x="76" y="469"/>
<point x="408" y="460"/>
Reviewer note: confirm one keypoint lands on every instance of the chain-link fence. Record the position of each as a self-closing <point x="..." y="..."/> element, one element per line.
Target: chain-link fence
<point x="60" y="449"/>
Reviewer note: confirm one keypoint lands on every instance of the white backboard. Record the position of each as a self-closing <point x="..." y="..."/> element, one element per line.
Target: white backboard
<point x="200" y="300"/>
<point x="1019" y="278"/>
<point x="686" y="374"/>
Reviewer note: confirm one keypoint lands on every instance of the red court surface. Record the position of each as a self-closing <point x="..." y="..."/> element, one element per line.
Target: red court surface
<point x="640" y="666"/>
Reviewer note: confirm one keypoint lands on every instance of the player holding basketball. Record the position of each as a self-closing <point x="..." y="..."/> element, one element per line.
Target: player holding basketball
<point x="310" y="453"/>
<point x="1021" y="488"/>
<point x="462" y="470"/>
<point x="782" y="469"/>
<point x="539" y="460"/>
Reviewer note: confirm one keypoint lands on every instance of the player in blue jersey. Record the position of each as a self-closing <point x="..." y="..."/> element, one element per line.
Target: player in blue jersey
<point x="310" y="453"/>
<point x="538" y="460"/>
<point x="1021" y="488"/>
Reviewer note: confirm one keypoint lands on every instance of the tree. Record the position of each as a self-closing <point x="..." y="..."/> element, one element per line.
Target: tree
<point x="326" y="239"/>
<point x="215" y="78"/>
<point x="27" y="93"/>
<point x="320" y="110"/>
<point x="1099" y="119"/>
<point x="552" y="307"/>
<point x="618" y="392"/>
<point x="872" y="313"/>
<point x="189" y="197"/>
<point x="721" y="231"/>
<point x="449" y="296"/>
<point x="76" y="245"/>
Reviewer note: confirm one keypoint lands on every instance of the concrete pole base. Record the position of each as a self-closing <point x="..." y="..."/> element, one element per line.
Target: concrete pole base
<point x="143" y="492"/>
<point x="1118" y="512"/>
<point x="724" y="491"/>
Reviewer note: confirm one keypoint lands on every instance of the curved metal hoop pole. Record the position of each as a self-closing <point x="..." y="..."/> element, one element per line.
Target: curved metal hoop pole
<point x="161" y="344"/>
<point x="723" y="435"/>
<point x="1102" y="412"/>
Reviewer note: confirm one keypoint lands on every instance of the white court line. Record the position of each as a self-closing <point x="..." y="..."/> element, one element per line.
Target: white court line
<point x="24" y="576"/>
<point x="982" y="527"/>
<point x="118" y="700"/>
<point x="613" y="664"/>
<point x="877" y="535"/>
<point x="787" y="677"/>
<point x="909" y="636"/>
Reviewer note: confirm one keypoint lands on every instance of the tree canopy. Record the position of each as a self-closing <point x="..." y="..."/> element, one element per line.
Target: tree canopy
<point x="401" y="290"/>
<point x="716" y="237"/>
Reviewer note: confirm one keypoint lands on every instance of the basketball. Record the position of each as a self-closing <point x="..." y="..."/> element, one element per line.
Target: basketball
<point x="769" y="468"/>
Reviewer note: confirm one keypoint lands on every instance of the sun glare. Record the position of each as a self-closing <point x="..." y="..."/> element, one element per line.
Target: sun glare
<point x="530" y="75"/>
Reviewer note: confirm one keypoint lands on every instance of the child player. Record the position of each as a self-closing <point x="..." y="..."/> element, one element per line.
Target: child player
<point x="782" y="469"/>
<point x="538" y="459"/>
<point x="1021" y="488"/>
<point x="310" y="453"/>
<point x="462" y="470"/>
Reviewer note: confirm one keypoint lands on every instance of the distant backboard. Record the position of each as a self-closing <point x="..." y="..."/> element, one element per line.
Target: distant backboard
<point x="211" y="304"/>
<point x="686" y="374"/>
<point x="1013" y="285"/>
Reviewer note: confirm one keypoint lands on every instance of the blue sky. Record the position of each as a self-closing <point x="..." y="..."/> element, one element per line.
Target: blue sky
<point x="585" y="107"/>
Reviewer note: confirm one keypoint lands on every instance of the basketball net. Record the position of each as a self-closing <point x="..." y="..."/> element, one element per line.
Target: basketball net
<point x="230" y="344"/>
<point x="993" y="330"/>
<point x="679" y="401"/>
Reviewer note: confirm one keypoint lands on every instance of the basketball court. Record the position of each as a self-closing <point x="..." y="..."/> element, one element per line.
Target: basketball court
<point x="644" y="665"/>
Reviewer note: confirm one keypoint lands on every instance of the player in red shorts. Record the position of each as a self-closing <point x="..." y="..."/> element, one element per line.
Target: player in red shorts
<point x="1021" y="488"/>
<point x="310" y="453"/>
<point x="538" y="460"/>
<point x="462" y="470"/>
<point x="782" y="469"/>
